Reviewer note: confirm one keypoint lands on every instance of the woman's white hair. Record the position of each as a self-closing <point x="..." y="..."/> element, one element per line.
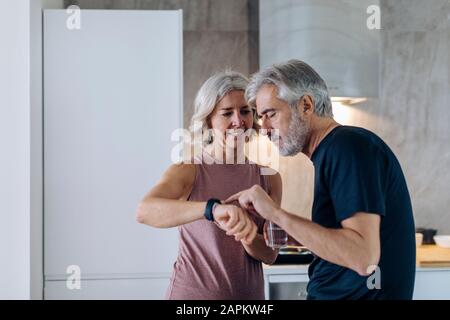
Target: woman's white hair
<point x="210" y="93"/>
<point x="294" y="79"/>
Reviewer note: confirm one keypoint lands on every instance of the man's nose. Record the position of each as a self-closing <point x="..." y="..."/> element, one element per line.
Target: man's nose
<point x="265" y="123"/>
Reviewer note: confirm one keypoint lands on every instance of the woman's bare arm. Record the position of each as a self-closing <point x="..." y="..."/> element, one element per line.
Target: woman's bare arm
<point x="165" y="205"/>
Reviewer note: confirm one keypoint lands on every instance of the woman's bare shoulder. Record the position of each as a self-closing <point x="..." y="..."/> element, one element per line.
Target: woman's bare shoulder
<point x="183" y="172"/>
<point x="182" y="168"/>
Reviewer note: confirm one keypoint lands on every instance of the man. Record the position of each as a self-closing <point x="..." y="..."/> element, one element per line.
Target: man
<point x="362" y="228"/>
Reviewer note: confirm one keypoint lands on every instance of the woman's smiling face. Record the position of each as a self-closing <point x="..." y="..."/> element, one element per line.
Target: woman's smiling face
<point x="232" y="115"/>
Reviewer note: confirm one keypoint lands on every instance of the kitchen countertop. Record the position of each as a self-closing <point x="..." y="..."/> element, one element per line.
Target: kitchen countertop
<point x="429" y="258"/>
<point x="433" y="256"/>
<point x="285" y="268"/>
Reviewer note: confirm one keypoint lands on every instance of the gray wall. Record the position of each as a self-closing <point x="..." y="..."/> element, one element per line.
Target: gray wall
<point x="412" y="113"/>
<point x="416" y="93"/>
<point x="216" y="34"/>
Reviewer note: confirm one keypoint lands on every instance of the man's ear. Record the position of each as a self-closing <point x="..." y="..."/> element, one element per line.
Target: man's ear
<point x="305" y="105"/>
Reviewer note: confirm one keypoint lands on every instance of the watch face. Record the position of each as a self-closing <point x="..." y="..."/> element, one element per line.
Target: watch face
<point x="209" y="209"/>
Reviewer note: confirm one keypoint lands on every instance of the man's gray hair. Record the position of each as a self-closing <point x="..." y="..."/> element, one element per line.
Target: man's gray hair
<point x="294" y="79"/>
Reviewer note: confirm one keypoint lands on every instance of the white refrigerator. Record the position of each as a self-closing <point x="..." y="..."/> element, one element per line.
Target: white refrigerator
<point x="112" y="98"/>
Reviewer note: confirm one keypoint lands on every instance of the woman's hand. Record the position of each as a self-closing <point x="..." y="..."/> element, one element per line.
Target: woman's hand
<point x="235" y="222"/>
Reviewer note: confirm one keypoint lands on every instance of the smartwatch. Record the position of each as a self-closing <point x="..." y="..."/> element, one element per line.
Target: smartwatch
<point x="209" y="208"/>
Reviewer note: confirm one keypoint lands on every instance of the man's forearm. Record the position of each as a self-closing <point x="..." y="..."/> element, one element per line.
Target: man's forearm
<point x="260" y="251"/>
<point x="343" y="247"/>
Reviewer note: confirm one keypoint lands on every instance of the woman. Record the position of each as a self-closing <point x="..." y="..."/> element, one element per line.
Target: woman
<point x="219" y="259"/>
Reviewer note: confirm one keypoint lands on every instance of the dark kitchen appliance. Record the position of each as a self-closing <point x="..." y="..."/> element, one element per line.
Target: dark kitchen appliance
<point x="294" y="255"/>
<point x="428" y="235"/>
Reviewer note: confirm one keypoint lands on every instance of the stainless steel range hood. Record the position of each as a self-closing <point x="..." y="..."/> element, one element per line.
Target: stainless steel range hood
<point x="330" y="35"/>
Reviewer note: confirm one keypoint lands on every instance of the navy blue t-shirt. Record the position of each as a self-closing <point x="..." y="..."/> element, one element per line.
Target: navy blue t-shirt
<point x="355" y="171"/>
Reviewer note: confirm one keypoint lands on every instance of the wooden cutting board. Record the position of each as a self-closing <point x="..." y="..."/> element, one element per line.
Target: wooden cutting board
<point x="433" y="256"/>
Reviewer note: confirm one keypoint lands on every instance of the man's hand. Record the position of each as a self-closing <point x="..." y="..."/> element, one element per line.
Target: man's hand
<point x="235" y="222"/>
<point x="256" y="199"/>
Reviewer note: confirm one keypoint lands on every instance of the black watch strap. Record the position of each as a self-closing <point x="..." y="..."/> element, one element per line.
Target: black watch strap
<point x="209" y="208"/>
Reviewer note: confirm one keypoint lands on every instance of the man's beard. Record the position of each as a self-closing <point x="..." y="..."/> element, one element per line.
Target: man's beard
<point x="294" y="140"/>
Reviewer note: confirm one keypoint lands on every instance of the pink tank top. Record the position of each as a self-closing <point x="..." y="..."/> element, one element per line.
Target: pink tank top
<point x="210" y="264"/>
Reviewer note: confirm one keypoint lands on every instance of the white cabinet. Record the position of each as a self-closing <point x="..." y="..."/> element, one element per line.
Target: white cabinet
<point x="432" y="284"/>
<point x="285" y="282"/>
<point x="139" y="288"/>
<point x="288" y="282"/>
<point x="112" y="98"/>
